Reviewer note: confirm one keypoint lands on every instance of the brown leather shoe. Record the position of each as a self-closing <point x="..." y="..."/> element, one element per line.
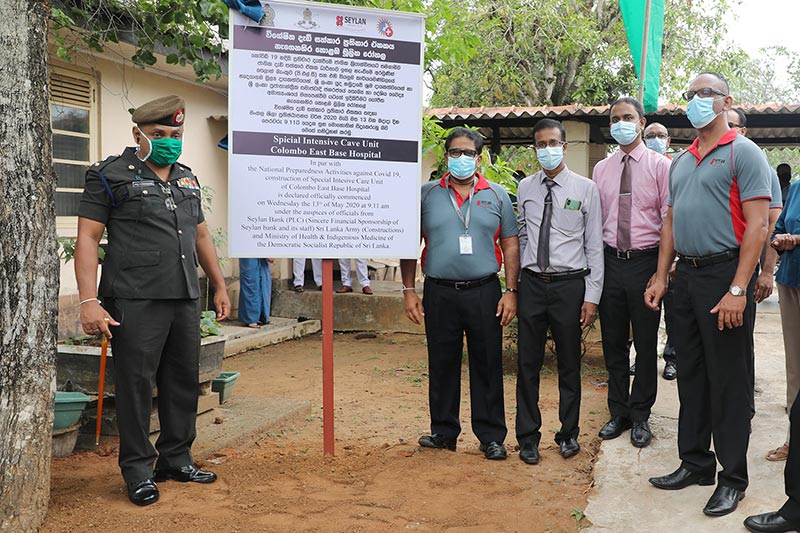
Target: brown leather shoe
<point x="344" y="289"/>
<point x="778" y="454"/>
<point x="366" y="290"/>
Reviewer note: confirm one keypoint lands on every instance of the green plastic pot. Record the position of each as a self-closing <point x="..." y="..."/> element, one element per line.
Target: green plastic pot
<point x="224" y="385"/>
<point x="69" y="406"/>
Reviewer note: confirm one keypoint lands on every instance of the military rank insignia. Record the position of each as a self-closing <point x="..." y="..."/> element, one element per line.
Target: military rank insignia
<point x="188" y="183"/>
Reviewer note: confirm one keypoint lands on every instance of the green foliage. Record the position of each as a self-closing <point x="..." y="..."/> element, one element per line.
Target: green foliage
<point x="494" y="168"/>
<point x="562" y="52"/>
<point x="192" y="31"/>
<point x="209" y="325"/>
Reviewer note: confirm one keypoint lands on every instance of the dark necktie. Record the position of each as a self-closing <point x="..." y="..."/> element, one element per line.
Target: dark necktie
<point x="543" y="250"/>
<point x="624" y="214"/>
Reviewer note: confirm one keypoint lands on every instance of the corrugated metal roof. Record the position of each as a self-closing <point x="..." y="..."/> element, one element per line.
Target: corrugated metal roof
<point x="577" y="110"/>
<point x="774" y="125"/>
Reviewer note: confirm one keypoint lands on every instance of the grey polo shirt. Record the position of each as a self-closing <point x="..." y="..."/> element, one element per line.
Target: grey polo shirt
<point x="706" y="194"/>
<point x="777" y="198"/>
<point x="492" y="218"/>
<point x="576" y="235"/>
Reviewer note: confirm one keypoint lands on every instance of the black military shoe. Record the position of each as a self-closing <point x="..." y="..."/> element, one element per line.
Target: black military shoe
<point x="438" y="441"/>
<point x="641" y="434"/>
<point x="494" y="451"/>
<point x="769" y="523"/>
<point x="569" y="447"/>
<point x="680" y="479"/>
<point x="670" y="371"/>
<point x="143" y="492"/>
<point x="723" y="501"/>
<point x="185" y="474"/>
<point x="614" y="427"/>
<point x="529" y="453"/>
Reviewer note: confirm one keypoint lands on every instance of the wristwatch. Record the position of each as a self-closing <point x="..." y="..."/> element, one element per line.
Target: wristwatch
<point x="735" y="290"/>
<point x="511" y="289"/>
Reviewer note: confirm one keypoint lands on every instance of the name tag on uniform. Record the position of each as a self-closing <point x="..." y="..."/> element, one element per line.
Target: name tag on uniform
<point x="143" y="184"/>
<point x="572" y="205"/>
<point x="188" y="183"/>
<point x="465" y="244"/>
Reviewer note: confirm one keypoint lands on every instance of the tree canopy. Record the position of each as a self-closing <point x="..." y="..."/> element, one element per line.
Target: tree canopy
<point x="483" y="53"/>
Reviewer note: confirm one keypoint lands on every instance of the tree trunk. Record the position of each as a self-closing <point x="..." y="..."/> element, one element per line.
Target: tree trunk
<point x="28" y="267"/>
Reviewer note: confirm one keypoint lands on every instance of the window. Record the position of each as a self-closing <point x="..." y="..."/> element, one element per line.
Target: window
<point x="73" y="120"/>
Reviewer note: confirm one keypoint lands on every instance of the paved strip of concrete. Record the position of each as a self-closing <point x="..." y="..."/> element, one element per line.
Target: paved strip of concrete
<point x="623" y="500"/>
<point x="242" y="338"/>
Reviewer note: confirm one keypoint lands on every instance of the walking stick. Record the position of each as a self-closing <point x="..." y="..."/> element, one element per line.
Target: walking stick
<point x="100" y="388"/>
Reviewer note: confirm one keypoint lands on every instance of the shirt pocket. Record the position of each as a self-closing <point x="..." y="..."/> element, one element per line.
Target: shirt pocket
<point x="189" y="201"/>
<point x="140" y="201"/>
<point x="646" y="195"/>
<point x="567" y="221"/>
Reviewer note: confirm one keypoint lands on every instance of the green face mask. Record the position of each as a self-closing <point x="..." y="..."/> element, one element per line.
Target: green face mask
<point x="164" y="151"/>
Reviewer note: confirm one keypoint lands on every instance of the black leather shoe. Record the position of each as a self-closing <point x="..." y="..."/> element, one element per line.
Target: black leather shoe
<point x="529" y="453"/>
<point x="494" y="451"/>
<point x="185" y="474"/>
<point x="569" y="447"/>
<point x="632" y="370"/>
<point x="143" y="492"/>
<point x="723" y="501"/>
<point x="680" y="479"/>
<point x="438" y="441"/>
<point x="641" y="434"/>
<point x="670" y="371"/>
<point x="614" y="427"/>
<point x="769" y="523"/>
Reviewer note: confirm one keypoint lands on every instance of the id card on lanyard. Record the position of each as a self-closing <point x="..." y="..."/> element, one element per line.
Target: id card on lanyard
<point x="465" y="240"/>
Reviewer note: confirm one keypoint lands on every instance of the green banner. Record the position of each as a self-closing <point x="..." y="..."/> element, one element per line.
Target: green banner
<point x="633" y="14"/>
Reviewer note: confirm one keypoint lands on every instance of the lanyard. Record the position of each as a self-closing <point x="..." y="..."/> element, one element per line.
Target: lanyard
<point x="461" y="216"/>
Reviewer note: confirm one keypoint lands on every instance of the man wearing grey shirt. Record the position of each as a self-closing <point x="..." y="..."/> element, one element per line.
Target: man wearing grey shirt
<point x="561" y="250"/>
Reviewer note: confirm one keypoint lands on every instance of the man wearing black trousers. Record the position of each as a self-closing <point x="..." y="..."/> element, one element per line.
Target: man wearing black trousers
<point x="787" y="518"/>
<point x="561" y="248"/>
<point x="633" y="184"/>
<point x="468" y="225"/>
<point x="157" y="236"/>
<point x="717" y="222"/>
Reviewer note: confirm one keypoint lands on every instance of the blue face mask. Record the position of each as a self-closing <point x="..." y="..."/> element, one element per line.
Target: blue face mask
<point x="700" y="111"/>
<point x="462" y="167"/>
<point x="657" y="145"/>
<point x="624" y="132"/>
<point x="550" y="157"/>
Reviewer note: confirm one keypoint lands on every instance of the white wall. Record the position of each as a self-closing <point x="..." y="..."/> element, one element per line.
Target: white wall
<point x="121" y="86"/>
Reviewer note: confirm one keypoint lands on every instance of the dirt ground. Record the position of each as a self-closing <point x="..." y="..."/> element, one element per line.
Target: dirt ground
<point x="379" y="480"/>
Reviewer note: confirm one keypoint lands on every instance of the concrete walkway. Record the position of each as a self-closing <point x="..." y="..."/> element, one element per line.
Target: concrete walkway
<point x="623" y="500"/>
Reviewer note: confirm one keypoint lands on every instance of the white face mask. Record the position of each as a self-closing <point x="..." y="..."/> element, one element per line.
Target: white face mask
<point x="657" y="145"/>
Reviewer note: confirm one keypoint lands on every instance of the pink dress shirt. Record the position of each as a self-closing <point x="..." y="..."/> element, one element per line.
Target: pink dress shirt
<point x="649" y="189"/>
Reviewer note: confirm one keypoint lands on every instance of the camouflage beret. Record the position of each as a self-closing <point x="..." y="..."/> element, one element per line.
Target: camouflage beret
<point x="167" y="111"/>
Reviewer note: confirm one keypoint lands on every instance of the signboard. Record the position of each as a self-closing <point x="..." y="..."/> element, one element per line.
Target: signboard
<point x="325" y="119"/>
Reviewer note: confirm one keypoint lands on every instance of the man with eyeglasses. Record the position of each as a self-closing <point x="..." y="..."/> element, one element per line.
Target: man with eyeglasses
<point x="633" y="184"/>
<point x="157" y="235"/>
<point x="469" y="229"/>
<point x="717" y="221"/>
<point x="561" y="247"/>
<point x="656" y="137"/>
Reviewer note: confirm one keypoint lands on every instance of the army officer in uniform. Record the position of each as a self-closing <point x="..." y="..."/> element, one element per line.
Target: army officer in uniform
<point x="148" y="297"/>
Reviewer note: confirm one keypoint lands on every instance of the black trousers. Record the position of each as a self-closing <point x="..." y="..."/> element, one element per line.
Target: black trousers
<point x="713" y="380"/>
<point x="557" y="305"/>
<point x="622" y="306"/>
<point x="449" y="313"/>
<point x="791" y="474"/>
<point x="157" y="343"/>
<point x="669" y="324"/>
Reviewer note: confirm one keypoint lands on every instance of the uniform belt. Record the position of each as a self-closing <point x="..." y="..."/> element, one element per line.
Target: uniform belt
<point x="549" y="277"/>
<point x="630" y="254"/>
<point x="461" y="285"/>
<point x="708" y="260"/>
